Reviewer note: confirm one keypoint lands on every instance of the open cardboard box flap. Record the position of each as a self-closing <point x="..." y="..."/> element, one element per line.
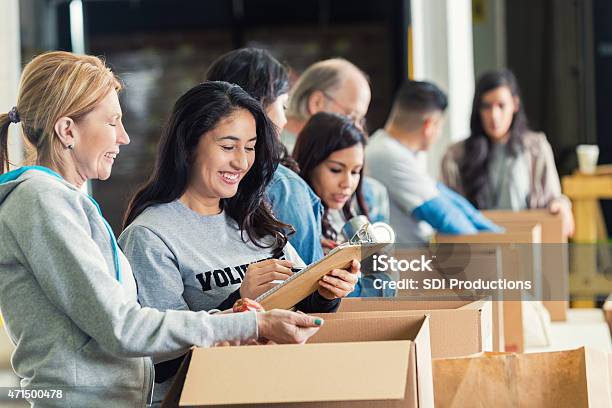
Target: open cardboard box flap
<point x="572" y="378"/>
<point x="399" y="303"/>
<point x="457" y="327"/>
<point x="376" y="328"/>
<point x="377" y="370"/>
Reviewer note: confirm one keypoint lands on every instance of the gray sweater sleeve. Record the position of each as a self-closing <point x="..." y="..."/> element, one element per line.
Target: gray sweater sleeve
<point x="155" y="268"/>
<point x="55" y="233"/>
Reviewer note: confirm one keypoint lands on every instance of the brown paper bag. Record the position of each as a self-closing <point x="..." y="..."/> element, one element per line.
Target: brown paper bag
<point x="573" y="378"/>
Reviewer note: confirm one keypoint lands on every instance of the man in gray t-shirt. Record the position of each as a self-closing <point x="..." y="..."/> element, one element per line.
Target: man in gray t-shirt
<point x="418" y="204"/>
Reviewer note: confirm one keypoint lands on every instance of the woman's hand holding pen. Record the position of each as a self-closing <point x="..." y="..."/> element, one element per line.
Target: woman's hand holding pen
<point x="260" y="276"/>
<point x="340" y="282"/>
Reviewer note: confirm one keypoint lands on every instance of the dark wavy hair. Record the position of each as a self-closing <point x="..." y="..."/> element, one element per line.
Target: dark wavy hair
<point x="474" y="165"/>
<point x="195" y="113"/>
<point x="323" y="134"/>
<point x="260" y="75"/>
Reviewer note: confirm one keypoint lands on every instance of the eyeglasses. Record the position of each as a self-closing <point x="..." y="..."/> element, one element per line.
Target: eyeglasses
<point x="357" y="119"/>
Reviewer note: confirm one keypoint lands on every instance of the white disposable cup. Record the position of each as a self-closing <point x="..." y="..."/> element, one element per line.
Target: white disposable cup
<point x="587" y="158"/>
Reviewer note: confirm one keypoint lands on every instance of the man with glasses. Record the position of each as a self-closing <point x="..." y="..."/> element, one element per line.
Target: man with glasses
<point x="358" y="119"/>
<point x="338" y="86"/>
<point x="333" y="85"/>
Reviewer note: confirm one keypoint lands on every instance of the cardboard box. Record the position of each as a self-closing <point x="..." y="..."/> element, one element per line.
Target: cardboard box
<point x="555" y="258"/>
<point x="552" y="227"/>
<point x="529" y="262"/>
<point x="489" y="261"/>
<point x="518" y="262"/>
<point x="381" y="329"/>
<point x="364" y="363"/>
<point x="573" y="378"/>
<point x="457" y="327"/>
<point x="463" y="262"/>
<point x="527" y="235"/>
<point x="557" y="309"/>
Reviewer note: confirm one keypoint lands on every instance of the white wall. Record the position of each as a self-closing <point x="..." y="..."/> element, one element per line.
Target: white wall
<point x="443" y="54"/>
<point x="10" y="68"/>
<point x="490" y="37"/>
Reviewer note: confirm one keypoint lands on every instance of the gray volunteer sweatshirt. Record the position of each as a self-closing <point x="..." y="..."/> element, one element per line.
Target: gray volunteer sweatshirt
<point x="183" y="260"/>
<point x="186" y="261"/>
<point x="74" y="324"/>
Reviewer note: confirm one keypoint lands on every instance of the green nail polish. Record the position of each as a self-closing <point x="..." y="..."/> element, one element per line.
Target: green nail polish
<point x="318" y="322"/>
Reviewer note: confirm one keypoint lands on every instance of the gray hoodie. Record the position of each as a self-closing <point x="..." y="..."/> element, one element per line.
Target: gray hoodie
<point x="74" y="319"/>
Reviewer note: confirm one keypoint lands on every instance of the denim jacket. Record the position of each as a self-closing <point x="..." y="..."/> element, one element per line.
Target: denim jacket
<point x="377" y="199"/>
<point x="293" y="202"/>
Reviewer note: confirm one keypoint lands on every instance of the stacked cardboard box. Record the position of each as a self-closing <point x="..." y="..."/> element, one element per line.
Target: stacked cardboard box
<point x="518" y="262"/>
<point x="378" y="353"/>
<point x="468" y="262"/>
<point x="555" y="262"/>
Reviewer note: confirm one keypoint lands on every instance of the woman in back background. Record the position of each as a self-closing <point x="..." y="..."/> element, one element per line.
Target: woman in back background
<point x="503" y="164"/>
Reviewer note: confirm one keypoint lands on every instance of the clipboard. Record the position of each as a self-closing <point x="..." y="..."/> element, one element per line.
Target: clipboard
<point x="301" y="284"/>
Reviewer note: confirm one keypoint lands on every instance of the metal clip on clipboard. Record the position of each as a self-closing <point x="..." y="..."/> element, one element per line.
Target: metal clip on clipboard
<point x="376" y="233"/>
<point x="364" y="235"/>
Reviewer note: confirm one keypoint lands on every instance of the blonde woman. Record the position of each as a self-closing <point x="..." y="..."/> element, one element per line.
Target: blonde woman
<point x="67" y="293"/>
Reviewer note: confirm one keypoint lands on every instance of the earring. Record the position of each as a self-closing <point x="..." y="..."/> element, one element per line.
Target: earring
<point x="70" y="146"/>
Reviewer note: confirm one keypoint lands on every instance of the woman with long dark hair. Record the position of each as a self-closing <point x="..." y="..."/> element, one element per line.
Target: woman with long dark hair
<point x="330" y="153"/>
<point x="199" y="233"/>
<point x="292" y="201"/>
<point x="503" y="164"/>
